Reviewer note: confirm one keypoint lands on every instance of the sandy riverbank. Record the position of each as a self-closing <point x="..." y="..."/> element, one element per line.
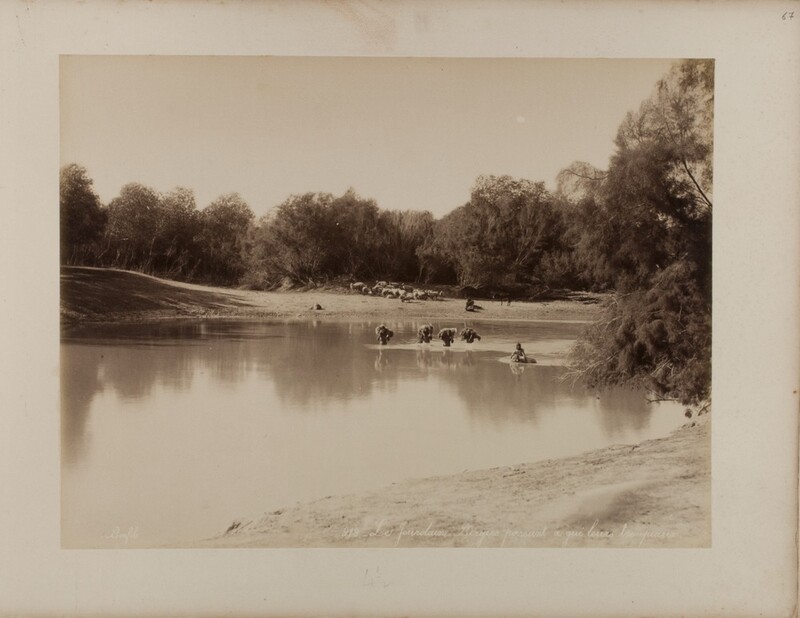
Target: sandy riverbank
<point x="107" y="295"/>
<point x="655" y="494"/>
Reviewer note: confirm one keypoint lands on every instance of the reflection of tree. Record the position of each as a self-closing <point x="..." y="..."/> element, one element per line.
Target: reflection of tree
<point x="80" y="382"/>
<point x="317" y="364"/>
<point x="500" y="396"/>
<point x="622" y="409"/>
<point x="308" y="363"/>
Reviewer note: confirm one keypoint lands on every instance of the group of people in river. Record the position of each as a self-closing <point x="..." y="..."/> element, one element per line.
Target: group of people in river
<point x="448" y="336"/>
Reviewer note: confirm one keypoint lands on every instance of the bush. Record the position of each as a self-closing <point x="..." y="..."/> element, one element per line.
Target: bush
<point x="658" y="338"/>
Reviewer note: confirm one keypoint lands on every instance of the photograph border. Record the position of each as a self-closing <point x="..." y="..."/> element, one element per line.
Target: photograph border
<point x="752" y="565"/>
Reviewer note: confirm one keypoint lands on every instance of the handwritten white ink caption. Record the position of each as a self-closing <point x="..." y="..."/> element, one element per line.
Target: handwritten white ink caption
<point x="122" y="537"/>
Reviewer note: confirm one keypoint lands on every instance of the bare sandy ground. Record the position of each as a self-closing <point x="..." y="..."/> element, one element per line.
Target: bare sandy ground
<point x="655" y="494"/>
<point x="94" y="295"/>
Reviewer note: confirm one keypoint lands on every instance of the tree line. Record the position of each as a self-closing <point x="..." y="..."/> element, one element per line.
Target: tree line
<point x="641" y="227"/>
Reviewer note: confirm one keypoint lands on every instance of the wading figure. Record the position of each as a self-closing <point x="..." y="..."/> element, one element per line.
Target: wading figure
<point x="469" y="335"/>
<point x="518" y="355"/>
<point x="447" y="335"/>
<point x="383" y="334"/>
<point x="425" y="333"/>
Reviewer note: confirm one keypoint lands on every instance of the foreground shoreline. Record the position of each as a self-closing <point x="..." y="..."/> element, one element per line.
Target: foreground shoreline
<point x="653" y="494"/>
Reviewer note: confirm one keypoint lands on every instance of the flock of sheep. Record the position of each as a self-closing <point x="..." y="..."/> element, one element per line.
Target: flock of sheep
<point x="395" y="290"/>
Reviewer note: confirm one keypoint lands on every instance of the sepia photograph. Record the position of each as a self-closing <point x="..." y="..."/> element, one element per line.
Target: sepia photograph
<point x="385" y="302"/>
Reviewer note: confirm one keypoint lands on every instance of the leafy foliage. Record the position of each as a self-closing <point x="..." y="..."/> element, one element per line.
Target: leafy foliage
<point x="645" y="227"/>
<point x="500" y="236"/>
<point x="316" y="236"/>
<point x="224" y="226"/>
<point x="658" y="338"/>
<point x="82" y="217"/>
<point x="132" y="225"/>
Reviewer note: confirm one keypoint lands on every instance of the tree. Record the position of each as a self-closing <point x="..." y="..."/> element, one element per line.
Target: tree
<point x="295" y="240"/>
<point x="177" y="234"/>
<point x="404" y="232"/>
<point x="659" y="338"/>
<point x="499" y="236"/>
<point x="133" y="219"/>
<point x="224" y="227"/>
<point x="358" y="238"/>
<point x="82" y="217"/>
<point x="316" y="235"/>
<point x="646" y="224"/>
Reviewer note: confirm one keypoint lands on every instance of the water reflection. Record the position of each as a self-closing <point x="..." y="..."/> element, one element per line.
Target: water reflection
<point x="80" y="381"/>
<point x="219" y="418"/>
<point x="309" y="362"/>
<point x="381" y="362"/>
<point x="516" y="368"/>
<point x="424" y="358"/>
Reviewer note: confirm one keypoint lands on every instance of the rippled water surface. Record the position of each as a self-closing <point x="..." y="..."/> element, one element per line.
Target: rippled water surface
<point x="170" y="431"/>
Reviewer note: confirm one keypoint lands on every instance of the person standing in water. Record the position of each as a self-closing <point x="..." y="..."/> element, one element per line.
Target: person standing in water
<point x="447" y="335"/>
<point x="470" y="334"/>
<point x="425" y="333"/>
<point x="383" y="334"/>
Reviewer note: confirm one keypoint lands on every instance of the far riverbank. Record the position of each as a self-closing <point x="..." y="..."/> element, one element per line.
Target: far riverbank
<point x="109" y="295"/>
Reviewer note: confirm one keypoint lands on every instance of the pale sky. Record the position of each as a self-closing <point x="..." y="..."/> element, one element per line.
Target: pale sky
<point x="409" y="133"/>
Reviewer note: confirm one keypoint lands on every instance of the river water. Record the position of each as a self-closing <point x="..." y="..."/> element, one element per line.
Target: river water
<point x="170" y="431"/>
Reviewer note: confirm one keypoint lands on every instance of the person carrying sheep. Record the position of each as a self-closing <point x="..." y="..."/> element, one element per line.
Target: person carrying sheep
<point x="469" y="335"/>
<point x="447" y="335"/>
<point x="425" y="333"/>
<point x="383" y="334"/>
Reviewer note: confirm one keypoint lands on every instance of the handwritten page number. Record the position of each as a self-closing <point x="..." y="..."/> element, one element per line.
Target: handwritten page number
<point x="787" y="15"/>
